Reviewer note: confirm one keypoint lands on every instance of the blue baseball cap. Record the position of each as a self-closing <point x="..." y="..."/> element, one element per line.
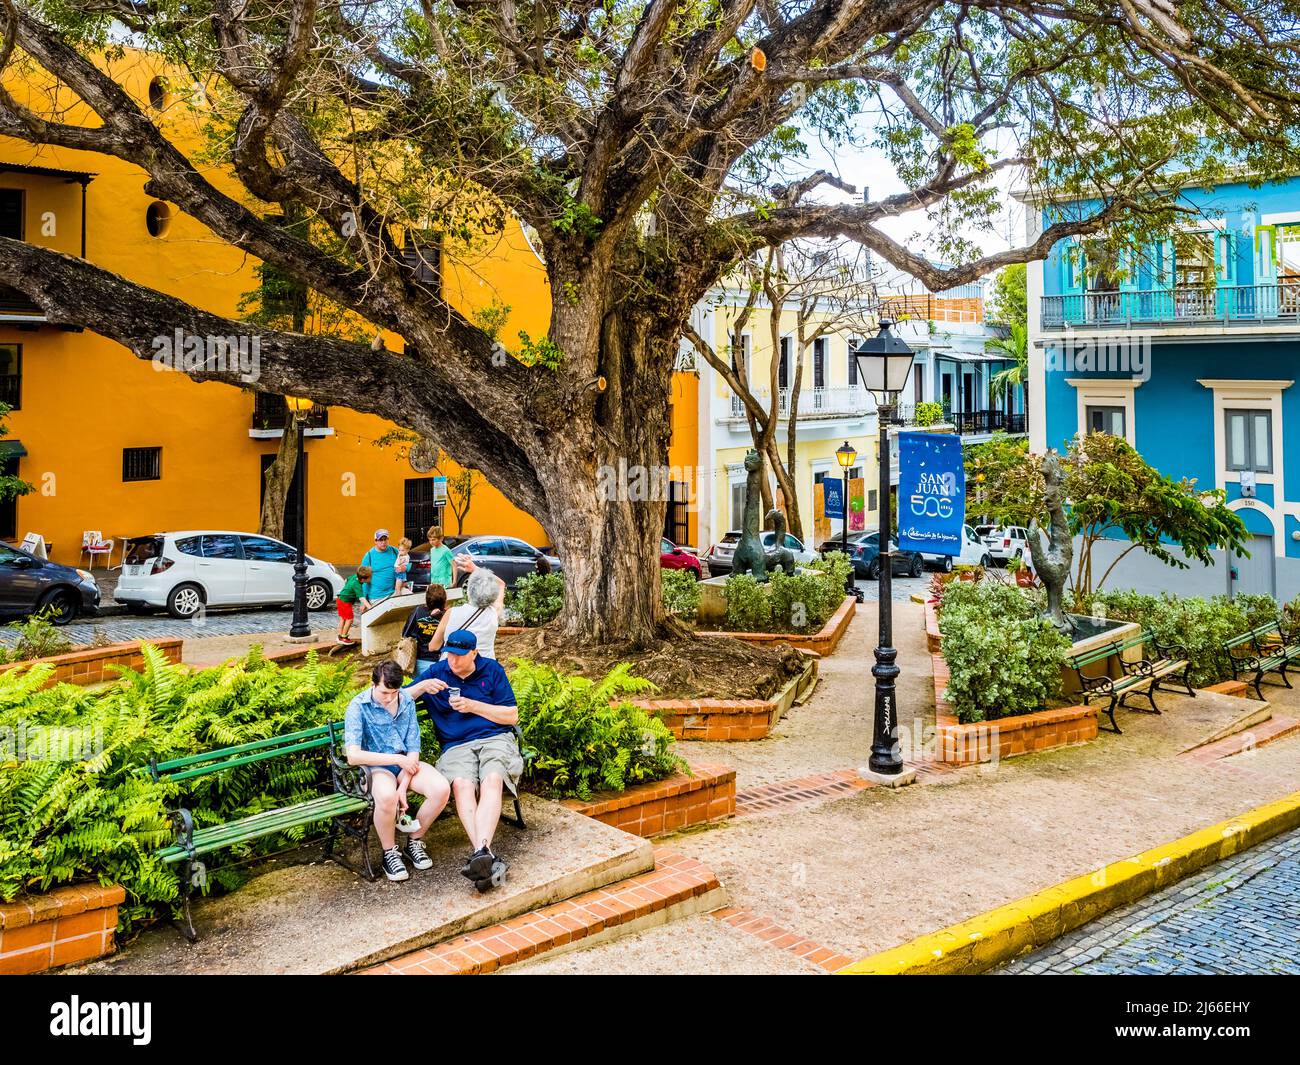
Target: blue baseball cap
<point x="461" y="642"/>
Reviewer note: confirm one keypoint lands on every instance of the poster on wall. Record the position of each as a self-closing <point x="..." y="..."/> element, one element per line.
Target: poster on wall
<point x="857" y="504"/>
<point x="931" y="493"/>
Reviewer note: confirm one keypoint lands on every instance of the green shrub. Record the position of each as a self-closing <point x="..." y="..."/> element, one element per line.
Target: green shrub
<point x="38" y="637"/>
<point x="581" y="741"/>
<point x="65" y="818"/>
<point x="538" y="598"/>
<point x="928" y="413"/>
<point x="680" y="590"/>
<point x="1197" y="625"/>
<point x="799" y="603"/>
<point x="1003" y="656"/>
<point x="836" y="565"/>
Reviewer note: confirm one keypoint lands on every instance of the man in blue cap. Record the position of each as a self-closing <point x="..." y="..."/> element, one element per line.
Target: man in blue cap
<point x="472" y="707"/>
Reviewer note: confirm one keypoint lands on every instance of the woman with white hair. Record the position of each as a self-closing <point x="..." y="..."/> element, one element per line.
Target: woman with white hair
<point x="485" y="599"/>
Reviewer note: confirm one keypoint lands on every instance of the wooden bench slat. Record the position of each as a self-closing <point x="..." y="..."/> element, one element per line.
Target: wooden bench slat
<point x="222" y="755"/>
<point x="265" y="823"/>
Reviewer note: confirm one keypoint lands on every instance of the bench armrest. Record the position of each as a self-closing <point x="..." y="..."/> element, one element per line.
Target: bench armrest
<point x="183" y="821"/>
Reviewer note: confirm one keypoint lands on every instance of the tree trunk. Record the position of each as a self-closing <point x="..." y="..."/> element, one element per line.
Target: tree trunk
<point x="279" y="476"/>
<point x="608" y="487"/>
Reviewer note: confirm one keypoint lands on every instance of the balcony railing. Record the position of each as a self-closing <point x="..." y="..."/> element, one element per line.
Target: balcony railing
<point x="813" y="403"/>
<point x="1228" y="304"/>
<point x="974" y="421"/>
<point x="268" y="418"/>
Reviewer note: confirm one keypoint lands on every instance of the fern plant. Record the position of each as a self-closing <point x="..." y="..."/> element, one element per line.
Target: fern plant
<point x="583" y="737"/>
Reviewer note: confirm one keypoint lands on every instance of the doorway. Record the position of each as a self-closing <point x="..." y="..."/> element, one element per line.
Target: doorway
<point x="1254" y="574"/>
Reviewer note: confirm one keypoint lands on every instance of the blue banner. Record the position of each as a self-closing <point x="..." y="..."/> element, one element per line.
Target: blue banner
<point x="931" y="493"/>
<point x="832" y="497"/>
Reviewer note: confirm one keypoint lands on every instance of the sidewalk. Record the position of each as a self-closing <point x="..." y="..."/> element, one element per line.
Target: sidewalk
<point x="869" y="871"/>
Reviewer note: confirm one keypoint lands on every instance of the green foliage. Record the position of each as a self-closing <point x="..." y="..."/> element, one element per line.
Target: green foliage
<point x="798" y="603"/>
<point x="537" y="598"/>
<point x="581" y="739"/>
<point x="38" y="637"/>
<point x="1003" y="656"/>
<point x="928" y="413"/>
<point x="81" y="811"/>
<point x="492" y="318"/>
<point x="1197" y="625"/>
<point x="541" y="352"/>
<point x="1010" y="303"/>
<point x="11" y="486"/>
<point x="680" y="591"/>
<point x="1111" y="492"/>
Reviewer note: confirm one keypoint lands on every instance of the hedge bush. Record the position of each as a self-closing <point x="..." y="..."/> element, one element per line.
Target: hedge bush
<point x="537" y="598"/>
<point x="800" y="603"/>
<point x="1199" y="625"/>
<point x="680" y="590"/>
<point x="1003" y="656"/>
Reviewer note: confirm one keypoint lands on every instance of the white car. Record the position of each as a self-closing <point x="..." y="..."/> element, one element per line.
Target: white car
<point x="188" y="571"/>
<point x="974" y="552"/>
<point x="1005" y="542"/>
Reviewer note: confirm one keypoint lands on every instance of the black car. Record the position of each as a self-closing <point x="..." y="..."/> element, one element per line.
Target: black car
<point x="509" y="558"/>
<point x="865" y="553"/>
<point x="29" y="585"/>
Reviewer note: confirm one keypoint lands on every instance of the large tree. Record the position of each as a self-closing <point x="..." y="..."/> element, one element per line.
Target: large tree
<point x="651" y="144"/>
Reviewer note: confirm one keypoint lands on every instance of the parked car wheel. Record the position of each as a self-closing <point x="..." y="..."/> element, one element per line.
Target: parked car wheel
<point x="873" y="570"/>
<point x="946" y="564"/>
<point x="319" y="595"/>
<point x="986" y="561"/>
<point x="184" y="601"/>
<point x="59" y="605"/>
<point x="914" y="570"/>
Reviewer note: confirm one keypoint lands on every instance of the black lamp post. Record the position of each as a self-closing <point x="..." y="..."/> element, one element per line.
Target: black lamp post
<point x="300" y="629"/>
<point x="846" y="454"/>
<point x="884" y="363"/>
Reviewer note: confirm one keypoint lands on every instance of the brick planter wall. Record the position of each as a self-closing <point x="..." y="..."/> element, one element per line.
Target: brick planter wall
<point x="68" y="926"/>
<point x="822" y="643"/>
<point x="986" y="741"/>
<point x="729" y="719"/>
<point x="89" y="666"/>
<point x="666" y="805"/>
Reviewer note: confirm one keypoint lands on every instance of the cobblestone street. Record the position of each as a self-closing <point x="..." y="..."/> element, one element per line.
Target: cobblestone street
<point x="119" y="628"/>
<point x="1239" y="916"/>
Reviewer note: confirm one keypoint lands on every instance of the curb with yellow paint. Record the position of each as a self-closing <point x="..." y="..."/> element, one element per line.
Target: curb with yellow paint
<point x="999" y="935"/>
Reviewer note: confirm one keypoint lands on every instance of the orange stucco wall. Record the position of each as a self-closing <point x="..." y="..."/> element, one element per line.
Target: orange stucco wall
<point x="84" y="398"/>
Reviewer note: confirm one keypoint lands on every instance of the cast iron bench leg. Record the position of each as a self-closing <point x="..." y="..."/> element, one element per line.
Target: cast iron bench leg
<point x="187" y="929"/>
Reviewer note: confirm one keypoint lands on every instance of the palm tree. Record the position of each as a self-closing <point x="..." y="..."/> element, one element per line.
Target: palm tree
<point x="1015" y="347"/>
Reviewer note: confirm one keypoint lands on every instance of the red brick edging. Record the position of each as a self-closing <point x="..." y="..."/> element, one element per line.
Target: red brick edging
<point x="89" y="665"/>
<point x="729" y="719"/>
<point x="1005" y="737"/>
<point x="674" y="881"/>
<point x="822" y="643"/>
<point x="1231" y="687"/>
<point x="770" y="932"/>
<point x="66" y="926"/>
<point x="661" y="806"/>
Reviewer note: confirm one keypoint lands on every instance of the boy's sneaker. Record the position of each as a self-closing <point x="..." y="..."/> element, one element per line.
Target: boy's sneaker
<point x="346" y="641"/>
<point x="394" y="867"/>
<point x="479" y="865"/>
<point x="418" y="855"/>
<point x="496" y="878"/>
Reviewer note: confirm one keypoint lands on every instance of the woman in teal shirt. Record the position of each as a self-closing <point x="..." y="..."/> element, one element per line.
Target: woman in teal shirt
<point x="381" y="559"/>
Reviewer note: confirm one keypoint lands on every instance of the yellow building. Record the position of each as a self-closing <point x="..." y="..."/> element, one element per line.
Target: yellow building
<point x="833" y="408"/>
<point x="113" y="444"/>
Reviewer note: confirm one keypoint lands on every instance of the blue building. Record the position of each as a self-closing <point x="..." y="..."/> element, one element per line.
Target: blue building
<point x="1189" y="349"/>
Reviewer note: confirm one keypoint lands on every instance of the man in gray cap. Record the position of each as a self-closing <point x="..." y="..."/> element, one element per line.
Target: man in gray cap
<point x="472" y="706"/>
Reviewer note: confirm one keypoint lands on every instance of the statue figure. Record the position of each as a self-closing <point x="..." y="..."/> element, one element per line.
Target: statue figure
<point x="1053" y="553"/>
<point x="780" y="557"/>
<point x="749" y="557"/>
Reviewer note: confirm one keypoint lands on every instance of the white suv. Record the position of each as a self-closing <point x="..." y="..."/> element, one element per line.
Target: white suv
<point x="974" y="552"/>
<point x="1005" y="542"/>
<point x="187" y="571"/>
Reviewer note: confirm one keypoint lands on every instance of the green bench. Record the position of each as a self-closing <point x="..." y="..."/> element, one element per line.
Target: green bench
<point x="1262" y="650"/>
<point x="1143" y="676"/>
<point x="348" y="803"/>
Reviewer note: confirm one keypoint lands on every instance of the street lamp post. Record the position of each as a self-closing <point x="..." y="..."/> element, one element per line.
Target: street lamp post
<point x="847" y="454"/>
<point x="300" y="629"/>
<point x="884" y="363"/>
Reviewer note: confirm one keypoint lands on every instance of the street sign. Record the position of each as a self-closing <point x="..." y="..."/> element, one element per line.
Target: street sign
<point x="440" y="490"/>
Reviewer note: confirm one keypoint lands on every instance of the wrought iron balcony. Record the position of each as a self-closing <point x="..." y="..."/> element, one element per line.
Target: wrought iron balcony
<point x="271" y="414"/>
<point x="853" y="401"/>
<point x="1225" y="305"/>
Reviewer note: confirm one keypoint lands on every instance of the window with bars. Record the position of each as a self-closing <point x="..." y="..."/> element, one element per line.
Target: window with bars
<point x="141" y="463"/>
